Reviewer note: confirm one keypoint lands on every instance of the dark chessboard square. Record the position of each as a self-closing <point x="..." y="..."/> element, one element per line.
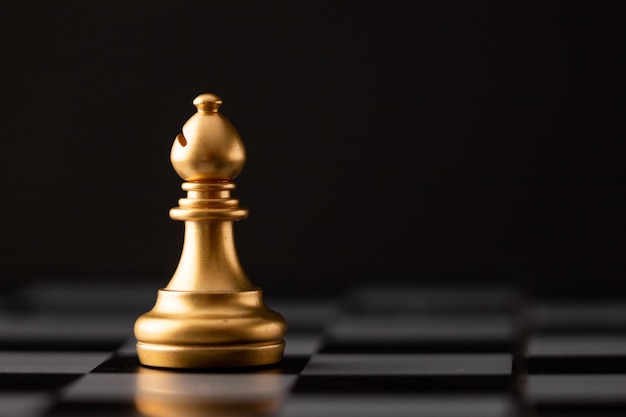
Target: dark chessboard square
<point x="50" y="362"/>
<point x="57" y="332"/>
<point x="410" y="364"/>
<point x="579" y="316"/>
<point x="84" y="297"/>
<point x="58" y="345"/>
<point x="305" y="315"/>
<point x="302" y="343"/>
<point x="589" y="345"/>
<point x="577" y="391"/>
<point x="411" y="346"/>
<point x="35" y="382"/>
<point x="395" y="405"/>
<point x="421" y="333"/>
<point x="406" y="298"/>
<point x="576" y="365"/>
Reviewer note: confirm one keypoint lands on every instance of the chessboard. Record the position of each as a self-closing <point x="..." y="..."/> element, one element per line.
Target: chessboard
<point x="68" y="350"/>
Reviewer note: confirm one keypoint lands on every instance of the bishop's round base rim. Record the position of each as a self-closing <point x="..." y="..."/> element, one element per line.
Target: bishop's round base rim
<point x="231" y="356"/>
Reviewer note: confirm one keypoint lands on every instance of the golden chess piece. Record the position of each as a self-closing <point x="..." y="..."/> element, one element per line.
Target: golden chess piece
<point x="210" y="314"/>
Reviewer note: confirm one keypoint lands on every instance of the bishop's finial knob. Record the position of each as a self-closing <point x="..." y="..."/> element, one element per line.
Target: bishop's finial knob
<point x="208" y="102"/>
<point x="209" y="148"/>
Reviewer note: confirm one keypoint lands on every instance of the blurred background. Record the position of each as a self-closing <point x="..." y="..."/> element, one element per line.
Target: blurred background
<point x="422" y="142"/>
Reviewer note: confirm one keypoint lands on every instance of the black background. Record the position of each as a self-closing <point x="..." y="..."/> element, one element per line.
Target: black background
<point x="424" y="141"/>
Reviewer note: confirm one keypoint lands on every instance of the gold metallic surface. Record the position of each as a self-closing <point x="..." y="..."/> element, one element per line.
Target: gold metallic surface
<point x="209" y="148"/>
<point x="210" y="315"/>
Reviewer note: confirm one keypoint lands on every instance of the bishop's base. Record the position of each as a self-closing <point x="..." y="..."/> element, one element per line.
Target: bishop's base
<point x="172" y="356"/>
<point x="189" y="329"/>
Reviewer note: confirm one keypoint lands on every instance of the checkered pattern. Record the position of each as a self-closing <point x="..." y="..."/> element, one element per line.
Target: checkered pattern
<point x="67" y="350"/>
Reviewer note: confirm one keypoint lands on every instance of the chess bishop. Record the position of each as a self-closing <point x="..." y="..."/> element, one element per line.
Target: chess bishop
<point x="210" y="315"/>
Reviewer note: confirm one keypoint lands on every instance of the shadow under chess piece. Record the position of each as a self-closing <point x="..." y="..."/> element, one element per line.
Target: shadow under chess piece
<point x="210" y="314"/>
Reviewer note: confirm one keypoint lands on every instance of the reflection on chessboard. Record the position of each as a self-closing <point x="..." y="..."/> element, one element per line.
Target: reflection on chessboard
<point x="67" y="350"/>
